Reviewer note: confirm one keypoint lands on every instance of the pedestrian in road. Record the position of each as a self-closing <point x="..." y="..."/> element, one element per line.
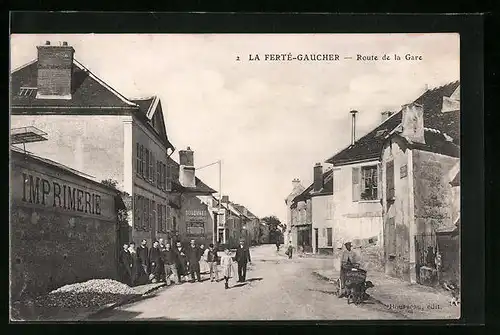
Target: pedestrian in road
<point x="161" y="270"/>
<point x="242" y="258"/>
<point x="137" y="272"/>
<point x="181" y="261"/>
<point x="194" y="254"/>
<point x="227" y="267"/>
<point x="143" y="254"/>
<point x="203" y="260"/>
<point x="170" y="259"/>
<point x="348" y="260"/>
<point x="212" y="260"/>
<point x="277" y="245"/>
<point x="154" y="260"/>
<point x="289" y="250"/>
<point x="125" y="265"/>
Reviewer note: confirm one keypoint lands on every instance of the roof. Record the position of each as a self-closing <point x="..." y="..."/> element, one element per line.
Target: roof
<point x="90" y="96"/>
<point x="369" y="146"/>
<point x="59" y="166"/>
<point x="309" y="191"/>
<point x="200" y="187"/>
<point x="434" y="142"/>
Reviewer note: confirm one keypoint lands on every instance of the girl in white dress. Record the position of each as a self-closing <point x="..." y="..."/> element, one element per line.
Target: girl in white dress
<point x="226" y="263"/>
<point x="204" y="267"/>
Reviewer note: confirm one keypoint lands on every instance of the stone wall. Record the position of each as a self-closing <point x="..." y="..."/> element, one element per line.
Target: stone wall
<point x="54" y="243"/>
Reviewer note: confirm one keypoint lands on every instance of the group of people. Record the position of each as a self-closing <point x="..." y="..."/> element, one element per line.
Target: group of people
<point x="162" y="263"/>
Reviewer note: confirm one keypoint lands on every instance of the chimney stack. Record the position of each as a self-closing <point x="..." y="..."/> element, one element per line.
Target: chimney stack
<point x="55" y="68"/>
<point x="318" y="177"/>
<point x="225" y="199"/>
<point x="385" y="115"/>
<point x="187" y="176"/>
<point x="413" y="123"/>
<point x="353" y="127"/>
<point x="295" y="183"/>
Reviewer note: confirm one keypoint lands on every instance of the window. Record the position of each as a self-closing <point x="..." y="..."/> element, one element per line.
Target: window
<point x="146" y="164"/>
<point x="168" y="217"/>
<point x="158" y="175"/>
<point x="138" y="162"/>
<point x="138" y="208"/>
<point x="168" y="176"/>
<point x="365" y="183"/>
<point x="389" y="170"/>
<point x="329" y="237"/>
<point x="146" y="214"/>
<point x="142" y="160"/>
<point x="151" y="167"/>
<point x="152" y="216"/>
<point x="159" y="210"/>
<point x="27" y="91"/>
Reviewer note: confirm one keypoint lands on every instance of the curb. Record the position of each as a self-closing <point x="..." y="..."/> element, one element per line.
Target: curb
<point x="125" y="301"/>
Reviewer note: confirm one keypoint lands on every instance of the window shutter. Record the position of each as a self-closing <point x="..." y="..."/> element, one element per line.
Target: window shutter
<point x="138" y="158"/>
<point x="390" y="179"/>
<point x="355" y="184"/>
<point x="379" y="188"/>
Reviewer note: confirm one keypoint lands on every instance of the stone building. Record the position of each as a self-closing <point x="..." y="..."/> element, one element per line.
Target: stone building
<point x="95" y="129"/>
<point x="291" y="232"/>
<point x="63" y="226"/>
<point x="417" y="157"/>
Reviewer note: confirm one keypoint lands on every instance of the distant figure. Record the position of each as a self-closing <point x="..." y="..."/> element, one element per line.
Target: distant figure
<point x="227" y="267"/>
<point x="277" y="245"/>
<point x="242" y="258"/>
<point x="212" y="259"/>
<point x="289" y="250"/>
<point x="143" y="254"/>
<point x="125" y="265"/>
<point x="137" y="272"/>
<point x="194" y="254"/>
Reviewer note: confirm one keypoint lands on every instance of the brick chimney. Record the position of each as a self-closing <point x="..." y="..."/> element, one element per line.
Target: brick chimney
<point x="187" y="176"/>
<point x="55" y="66"/>
<point x="225" y="199"/>
<point x="318" y="177"/>
<point x="413" y="123"/>
<point x="353" y="126"/>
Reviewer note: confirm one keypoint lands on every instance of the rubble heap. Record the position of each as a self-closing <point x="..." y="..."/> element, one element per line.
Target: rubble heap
<point x="92" y="293"/>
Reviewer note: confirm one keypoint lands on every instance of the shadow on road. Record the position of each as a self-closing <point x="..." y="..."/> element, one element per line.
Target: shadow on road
<point x="238" y="285"/>
<point x="254" y="279"/>
<point x="122" y="315"/>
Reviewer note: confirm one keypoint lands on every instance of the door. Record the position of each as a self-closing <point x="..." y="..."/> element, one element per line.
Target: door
<point x="316" y="240"/>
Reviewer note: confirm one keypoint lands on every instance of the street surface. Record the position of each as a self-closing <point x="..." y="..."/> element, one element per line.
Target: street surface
<point x="276" y="289"/>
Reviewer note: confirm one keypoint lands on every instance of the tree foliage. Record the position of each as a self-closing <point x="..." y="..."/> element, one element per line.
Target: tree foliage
<point x="275" y="228"/>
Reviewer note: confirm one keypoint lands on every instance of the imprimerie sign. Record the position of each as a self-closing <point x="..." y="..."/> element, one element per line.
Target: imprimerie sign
<point x="38" y="190"/>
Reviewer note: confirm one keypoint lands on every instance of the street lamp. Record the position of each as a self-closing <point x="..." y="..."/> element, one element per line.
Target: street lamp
<point x="216" y="230"/>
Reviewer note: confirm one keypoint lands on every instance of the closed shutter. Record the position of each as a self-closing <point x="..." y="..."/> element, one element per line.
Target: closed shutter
<point x="146" y="165"/>
<point x="329" y="237"/>
<point x="390" y="179"/>
<point x="379" y="169"/>
<point x="355" y="184"/>
<point x="138" y="158"/>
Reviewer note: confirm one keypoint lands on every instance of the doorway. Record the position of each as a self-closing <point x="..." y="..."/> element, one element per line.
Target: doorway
<point x="316" y="240"/>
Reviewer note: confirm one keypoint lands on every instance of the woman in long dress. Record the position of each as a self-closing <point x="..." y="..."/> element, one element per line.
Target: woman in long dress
<point x="204" y="267"/>
<point x="226" y="263"/>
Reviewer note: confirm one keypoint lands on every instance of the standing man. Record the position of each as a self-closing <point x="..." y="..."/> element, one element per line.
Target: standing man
<point x="181" y="261"/>
<point x="161" y="271"/>
<point x="349" y="260"/>
<point x="143" y="254"/>
<point x="289" y="251"/>
<point x="125" y="265"/>
<point x="136" y="268"/>
<point x="194" y="254"/>
<point x="212" y="259"/>
<point x="242" y="258"/>
<point x="171" y="260"/>
<point x="277" y="245"/>
<point x="154" y="260"/>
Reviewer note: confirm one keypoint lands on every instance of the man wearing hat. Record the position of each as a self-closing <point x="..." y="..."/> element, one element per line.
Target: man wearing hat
<point x="349" y="259"/>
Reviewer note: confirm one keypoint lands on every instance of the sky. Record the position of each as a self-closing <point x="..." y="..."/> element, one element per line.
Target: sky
<point x="268" y="121"/>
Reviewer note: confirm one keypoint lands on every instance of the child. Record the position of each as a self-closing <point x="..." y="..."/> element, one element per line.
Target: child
<point x="227" y="266"/>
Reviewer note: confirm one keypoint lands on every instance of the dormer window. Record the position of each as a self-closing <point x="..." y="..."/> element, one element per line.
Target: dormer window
<point x="27" y="91"/>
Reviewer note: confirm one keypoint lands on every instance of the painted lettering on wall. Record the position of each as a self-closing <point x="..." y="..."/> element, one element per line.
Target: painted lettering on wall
<point x="51" y="193"/>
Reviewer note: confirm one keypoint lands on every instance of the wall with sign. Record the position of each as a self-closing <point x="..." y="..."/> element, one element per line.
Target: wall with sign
<point x="197" y="221"/>
<point x="63" y="227"/>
